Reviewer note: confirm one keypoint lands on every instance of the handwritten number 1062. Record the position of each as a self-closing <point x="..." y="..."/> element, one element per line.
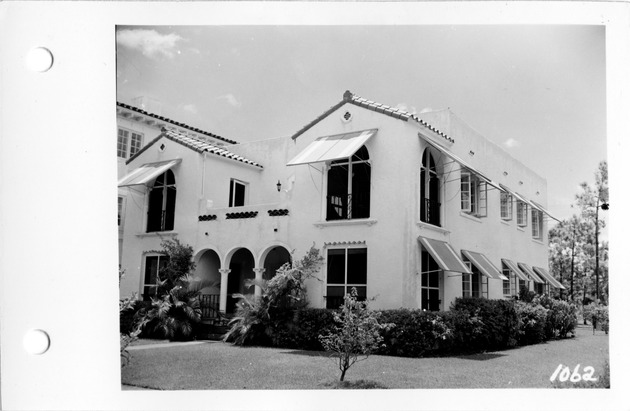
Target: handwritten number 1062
<point x="563" y="373"/>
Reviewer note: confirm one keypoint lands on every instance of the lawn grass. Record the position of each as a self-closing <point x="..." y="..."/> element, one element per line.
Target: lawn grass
<point x="216" y="365"/>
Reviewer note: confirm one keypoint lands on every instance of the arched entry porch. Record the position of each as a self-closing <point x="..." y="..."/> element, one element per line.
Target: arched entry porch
<point x="275" y="258"/>
<point x="208" y="266"/>
<point x="241" y="269"/>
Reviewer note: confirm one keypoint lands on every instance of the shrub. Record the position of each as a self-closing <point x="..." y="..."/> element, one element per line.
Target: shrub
<point x="303" y="330"/>
<point x="417" y="333"/>
<point x="357" y="334"/>
<point x="500" y="323"/>
<point x="561" y="317"/>
<point x="525" y="295"/>
<point x="176" y="309"/>
<point x="533" y="320"/>
<point x="598" y="315"/>
<point x="260" y="320"/>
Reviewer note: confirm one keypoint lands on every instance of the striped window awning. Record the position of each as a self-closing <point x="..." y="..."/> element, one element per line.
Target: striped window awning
<point x="147" y="173"/>
<point x="444" y="255"/>
<point x="330" y="148"/>
<point x="550" y="279"/>
<point x="528" y="270"/>
<point x="484" y="265"/>
<point x="514" y="268"/>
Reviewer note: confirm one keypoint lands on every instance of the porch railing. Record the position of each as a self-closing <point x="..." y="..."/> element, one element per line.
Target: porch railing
<point x="209" y="306"/>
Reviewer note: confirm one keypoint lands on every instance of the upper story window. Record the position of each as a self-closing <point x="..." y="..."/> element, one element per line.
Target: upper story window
<point x="238" y="193"/>
<point x="537" y="226"/>
<point x="506" y="206"/>
<point x="429" y="190"/>
<point x="161" y="213"/>
<point x="474" y="194"/>
<point x="349" y="182"/>
<point x="345" y="268"/>
<point x="521" y="213"/>
<point x="129" y="143"/>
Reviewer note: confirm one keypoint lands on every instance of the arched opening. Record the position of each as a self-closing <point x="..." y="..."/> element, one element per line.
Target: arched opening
<point x="161" y="213"/>
<point x="241" y="270"/>
<point x="276" y="258"/>
<point x="208" y="270"/>
<point x="429" y="190"/>
<point x="349" y="182"/>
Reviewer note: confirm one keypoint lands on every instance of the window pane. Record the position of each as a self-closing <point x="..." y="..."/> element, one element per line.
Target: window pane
<point x="169" y="216"/>
<point x="361" y="292"/>
<point x="334" y="296"/>
<point x="136" y="143"/>
<point x="434" y="300"/>
<point x="154" y="216"/>
<point x="360" y="206"/>
<point x="336" y="266"/>
<point x="123" y="136"/>
<point x="434" y="279"/>
<point x="239" y="195"/>
<point x="357" y="266"/>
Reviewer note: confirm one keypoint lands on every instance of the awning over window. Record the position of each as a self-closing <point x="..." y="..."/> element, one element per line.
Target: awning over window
<point x="444" y="255"/>
<point x="464" y="164"/>
<point x="538" y="206"/>
<point x="528" y="270"/>
<point x="545" y="274"/>
<point x="147" y="173"/>
<point x="484" y="265"/>
<point x="512" y="266"/>
<point x="331" y="148"/>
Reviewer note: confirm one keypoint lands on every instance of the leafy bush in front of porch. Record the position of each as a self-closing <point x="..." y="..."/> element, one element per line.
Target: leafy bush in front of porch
<point x="175" y="310"/>
<point x="561" y="318"/>
<point x="261" y="320"/>
<point x="416" y="334"/>
<point x="533" y="318"/>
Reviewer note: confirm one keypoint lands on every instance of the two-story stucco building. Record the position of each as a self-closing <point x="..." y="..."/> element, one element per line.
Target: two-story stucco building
<point x="415" y="210"/>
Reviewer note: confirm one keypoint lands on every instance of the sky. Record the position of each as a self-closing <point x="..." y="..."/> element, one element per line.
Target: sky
<point x="538" y="91"/>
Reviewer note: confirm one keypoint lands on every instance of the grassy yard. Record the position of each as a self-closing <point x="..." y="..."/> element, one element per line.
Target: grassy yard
<point x="215" y="365"/>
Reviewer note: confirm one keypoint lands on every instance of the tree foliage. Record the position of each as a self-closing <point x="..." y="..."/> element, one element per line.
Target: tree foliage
<point x="258" y="319"/>
<point x="357" y="334"/>
<point x="176" y="308"/>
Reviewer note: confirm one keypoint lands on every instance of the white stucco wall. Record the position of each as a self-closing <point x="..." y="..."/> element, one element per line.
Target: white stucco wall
<point x="390" y="234"/>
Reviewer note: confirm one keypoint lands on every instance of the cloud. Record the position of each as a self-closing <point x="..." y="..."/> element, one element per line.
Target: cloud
<point x="191" y="108"/>
<point x="511" y="143"/>
<point x="230" y="99"/>
<point x="405" y="107"/>
<point x="149" y="42"/>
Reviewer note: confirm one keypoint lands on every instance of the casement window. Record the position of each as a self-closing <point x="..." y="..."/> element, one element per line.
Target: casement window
<point x="430" y="294"/>
<point x="345" y="268"/>
<point x="161" y="210"/>
<point x="539" y="288"/>
<point x="474" y="285"/>
<point x="521" y="213"/>
<point x="429" y="190"/>
<point x="154" y="266"/>
<point x="349" y="183"/>
<point x="510" y="286"/>
<point x="506" y="283"/>
<point x="238" y="193"/>
<point x="129" y="143"/>
<point x="537" y="229"/>
<point x="506" y="206"/>
<point x="474" y="194"/>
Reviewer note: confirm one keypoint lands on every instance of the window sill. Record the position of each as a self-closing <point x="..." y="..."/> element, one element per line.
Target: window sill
<point x="432" y="227"/>
<point x="506" y="222"/>
<point x="538" y="241"/>
<point x="519" y="228"/>
<point x="359" y="221"/>
<point x="470" y="217"/>
<point x="157" y="234"/>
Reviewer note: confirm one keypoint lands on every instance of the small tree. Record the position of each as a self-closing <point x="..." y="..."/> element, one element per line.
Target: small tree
<point x="357" y="336"/>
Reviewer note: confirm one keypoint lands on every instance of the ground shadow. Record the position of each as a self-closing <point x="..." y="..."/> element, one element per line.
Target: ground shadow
<point x="481" y="357"/>
<point x="307" y="353"/>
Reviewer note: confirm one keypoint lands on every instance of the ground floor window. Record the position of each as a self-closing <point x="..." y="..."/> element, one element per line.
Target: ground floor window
<point x="510" y="286"/>
<point x="153" y="266"/>
<point x="430" y="283"/>
<point x="539" y="288"/>
<point x="474" y="285"/>
<point x="345" y="268"/>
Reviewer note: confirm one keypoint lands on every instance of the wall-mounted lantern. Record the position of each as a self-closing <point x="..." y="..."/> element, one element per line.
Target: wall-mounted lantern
<point x="279" y="186"/>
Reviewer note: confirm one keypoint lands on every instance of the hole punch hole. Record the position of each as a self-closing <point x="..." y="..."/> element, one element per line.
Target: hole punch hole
<point x="39" y="59"/>
<point x="36" y="342"/>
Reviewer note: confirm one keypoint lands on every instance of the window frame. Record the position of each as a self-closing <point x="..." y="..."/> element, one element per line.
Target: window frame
<point x="425" y="265"/>
<point x="342" y="208"/>
<point x="521" y="213"/>
<point x="537" y="224"/>
<point x="169" y="194"/>
<point x="476" y="278"/>
<point x="131" y="140"/>
<point x="233" y="192"/>
<point x="346" y="286"/>
<point x="473" y="194"/>
<point x="507" y="206"/>
<point x="429" y="178"/>
<point x="162" y="260"/>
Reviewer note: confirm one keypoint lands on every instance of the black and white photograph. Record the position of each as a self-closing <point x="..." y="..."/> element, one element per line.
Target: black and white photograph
<point x="321" y="206"/>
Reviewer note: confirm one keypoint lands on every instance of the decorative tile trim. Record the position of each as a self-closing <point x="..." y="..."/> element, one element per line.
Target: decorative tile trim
<point x="245" y="214"/>
<point x="337" y="243"/>
<point x="207" y="217"/>
<point x="278" y="212"/>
